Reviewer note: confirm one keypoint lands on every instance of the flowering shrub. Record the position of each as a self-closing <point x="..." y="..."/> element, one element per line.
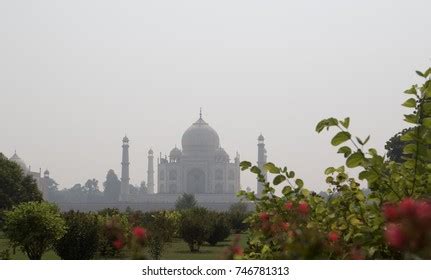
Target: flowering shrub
<point x="408" y="227"/>
<point x="113" y="234"/>
<point x="389" y="220"/>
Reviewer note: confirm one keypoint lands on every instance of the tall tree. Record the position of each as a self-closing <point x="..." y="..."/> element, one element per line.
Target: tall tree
<point x="112" y="186"/>
<point x="15" y="186"/>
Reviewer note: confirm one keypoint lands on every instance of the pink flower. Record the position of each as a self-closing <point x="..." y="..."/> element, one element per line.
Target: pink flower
<point x="264" y="216"/>
<point x="237" y="250"/>
<point x="395" y="236"/>
<point x="139" y="232"/>
<point x="285" y="226"/>
<point x="333" y="236"/>
<point x="303" y="208"/>
<point x="391" y="212"/>
<point x="423" y="212"/>
<point x="408" y="207"/>
<point x="288" y="205"/>
<point x="118" y="244"/>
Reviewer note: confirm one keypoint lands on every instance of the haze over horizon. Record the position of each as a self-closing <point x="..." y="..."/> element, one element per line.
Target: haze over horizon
<point x="76" y="76"/>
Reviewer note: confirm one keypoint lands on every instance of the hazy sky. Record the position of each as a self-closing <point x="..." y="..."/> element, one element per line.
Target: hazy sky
<point x="75" y="76"/>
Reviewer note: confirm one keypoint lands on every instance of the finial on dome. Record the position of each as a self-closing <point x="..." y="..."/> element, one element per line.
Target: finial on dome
<point x="200" y="113"/>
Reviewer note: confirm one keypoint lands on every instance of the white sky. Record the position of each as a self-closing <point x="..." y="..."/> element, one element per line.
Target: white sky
<point x="76" y="75"/>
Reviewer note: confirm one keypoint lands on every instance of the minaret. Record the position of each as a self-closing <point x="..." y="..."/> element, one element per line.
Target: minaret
<point x="125" y="179"/>
<point x="150" y="172"/>
<point x="261" y="160"/>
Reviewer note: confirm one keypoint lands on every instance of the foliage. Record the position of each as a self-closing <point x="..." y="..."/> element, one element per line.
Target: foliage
<point x="82" y="237"/>
<point x="219" y="228"/>
<point x="15" y="186"/>
<point x="185" y="201"/>
<point x="34" y="227"/>
<point x="237" y="214"/>
<point x="113" y="233"/>
<point x="349" y="223"/>
<point x="156" y="246"/>
<point x="164" y="223"/>
<point x="5" y="255"/>
<point x="395" y="146"/>
<point x="194" y="227"/>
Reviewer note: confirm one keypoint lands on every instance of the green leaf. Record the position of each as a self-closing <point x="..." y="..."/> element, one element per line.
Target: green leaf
<point x="355" y="160"/>
<point x="271" y="168"/>
<point x="340" y="138"/>
<point x="299" y="183"/>
<point x="427" y="72"/>
<point x="409" y="136"/>
<point x="409" y="149"/>
<point x="410" y="103"/>
<point x="326" y="123"/>
<point x="291" y="174"/>
<point x="426" y="122"/>
<point x="411" y="90"/>
<point x="245" y="165"/>
<point x="345" y="150"/>
<point x="371" y="176"/>
<point x="367" y="139"/>
<point x="345" y="123"/>
<point x="255" y="170"/>
<point x="279" y="179"/>
<point x="420" y="74"/>
<point x="411" y="118"/>
<point x="329" y="170"/>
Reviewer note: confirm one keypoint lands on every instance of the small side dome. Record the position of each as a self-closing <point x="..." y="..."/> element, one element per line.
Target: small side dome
<point x="261" y="138"/>
<point x="175" y="154"/>
<point x="46" y="173"/>
<point x="15" y="158"/>
<point x="221" y="155"/>
<point x="125" y="139"/>
<point x="151" y="152"/>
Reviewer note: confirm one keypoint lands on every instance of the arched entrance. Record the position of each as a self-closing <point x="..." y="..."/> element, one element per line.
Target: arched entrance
<point x="196" y="181"/>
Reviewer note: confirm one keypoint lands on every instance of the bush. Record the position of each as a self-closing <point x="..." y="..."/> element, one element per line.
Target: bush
<point x="113" y="234"/>
<point x="194" y="227"/>
<point x="156" y="246"/>
<point x="186" y="201"/>
<point x="219" y="228"/>
<point x="237" y="214"/>
<point x="34" y="227"/>
<point x="82" y="237"/>
<point x="391" y="220"/>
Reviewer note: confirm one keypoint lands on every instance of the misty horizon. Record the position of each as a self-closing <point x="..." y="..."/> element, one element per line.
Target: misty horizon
<point x="77" y="76"/>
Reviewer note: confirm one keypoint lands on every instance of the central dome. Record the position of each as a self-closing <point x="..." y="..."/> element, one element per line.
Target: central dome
<point x="200" y="137"/>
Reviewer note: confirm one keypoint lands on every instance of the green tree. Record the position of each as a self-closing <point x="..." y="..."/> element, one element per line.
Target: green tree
<point x="82" y="237"/>
<point x="15" y="187"/>
<point x="34" y="227"/>
<point x="112" y="186"/>
<point x="185" y="201"/>
<point x="219" y="228"/>
<point x="194" y="227"/>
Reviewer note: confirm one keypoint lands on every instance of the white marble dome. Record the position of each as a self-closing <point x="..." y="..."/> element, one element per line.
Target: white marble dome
<point x="15" y="158"/>
<point x="200" y="137"/>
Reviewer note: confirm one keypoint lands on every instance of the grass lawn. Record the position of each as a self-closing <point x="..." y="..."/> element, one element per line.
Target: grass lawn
<point x="177" y="250"/>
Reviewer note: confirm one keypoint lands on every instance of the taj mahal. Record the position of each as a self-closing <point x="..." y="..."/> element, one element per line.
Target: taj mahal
<point x="201" y="167"/>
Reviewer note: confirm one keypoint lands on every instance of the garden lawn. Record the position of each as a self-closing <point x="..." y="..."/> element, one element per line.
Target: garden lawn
<point x="176" y="250"/>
